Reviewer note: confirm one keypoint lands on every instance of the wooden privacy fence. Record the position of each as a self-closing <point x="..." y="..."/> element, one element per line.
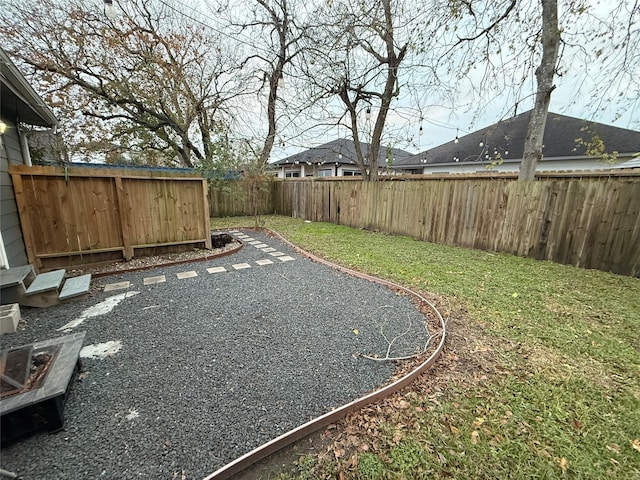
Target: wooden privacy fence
<point x="241" y="197"/>
<point x="81" y="215"/>
<point x="590" y="222"/>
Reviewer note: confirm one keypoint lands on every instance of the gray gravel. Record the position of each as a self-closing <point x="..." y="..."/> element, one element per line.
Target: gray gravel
<point x="212" y="366"/>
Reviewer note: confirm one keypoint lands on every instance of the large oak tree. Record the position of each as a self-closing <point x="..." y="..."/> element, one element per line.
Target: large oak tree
<point x="151" y="76"/>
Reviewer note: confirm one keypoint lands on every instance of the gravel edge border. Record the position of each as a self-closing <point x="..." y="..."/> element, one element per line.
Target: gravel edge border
<point x="170" y="264"/>
<point x="259" y="453"/>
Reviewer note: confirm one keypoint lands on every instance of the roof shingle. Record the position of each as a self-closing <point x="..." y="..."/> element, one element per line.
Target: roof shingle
<point x="506" y="138"/>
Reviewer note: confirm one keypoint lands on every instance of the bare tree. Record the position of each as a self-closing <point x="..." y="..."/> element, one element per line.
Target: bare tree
<point x="355" y="54"/>
<point x="512" y="50"/>
<point x="149" y="75"/>
<point x="271" y="37"/>
<point x="545" y="74"/>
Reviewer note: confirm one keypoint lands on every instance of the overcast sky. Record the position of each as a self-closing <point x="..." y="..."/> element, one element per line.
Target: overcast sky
<point x="571" y="97"/>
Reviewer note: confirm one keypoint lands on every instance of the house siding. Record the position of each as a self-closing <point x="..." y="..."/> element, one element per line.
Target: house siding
<point x="10" y="152"/>
<point x="560" y="165"/>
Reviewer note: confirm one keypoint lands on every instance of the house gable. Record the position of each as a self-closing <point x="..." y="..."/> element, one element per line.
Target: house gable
<point x="338" y="155"/>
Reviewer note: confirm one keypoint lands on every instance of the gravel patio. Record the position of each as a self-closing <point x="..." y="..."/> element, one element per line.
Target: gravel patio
<point x="220" y="357"/>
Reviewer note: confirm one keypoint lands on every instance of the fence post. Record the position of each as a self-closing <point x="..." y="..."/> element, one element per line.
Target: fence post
<point x="25" y="220"/>
<point x="205" y="213"/>
<point x="125" y="220"/>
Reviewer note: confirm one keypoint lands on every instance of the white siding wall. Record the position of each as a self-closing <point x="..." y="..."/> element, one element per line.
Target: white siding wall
<point x="550" y="165"/>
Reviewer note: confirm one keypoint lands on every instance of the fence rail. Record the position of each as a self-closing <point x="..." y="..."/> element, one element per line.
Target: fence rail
<point x="590" y="221"/>
<point x="76" y="216"/>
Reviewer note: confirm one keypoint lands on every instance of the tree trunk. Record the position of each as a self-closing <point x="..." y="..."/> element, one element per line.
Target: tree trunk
<point x="544" y="77"/>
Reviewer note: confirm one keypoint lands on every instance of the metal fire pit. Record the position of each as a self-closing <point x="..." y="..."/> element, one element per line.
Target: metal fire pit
<point x="34" y="382"/>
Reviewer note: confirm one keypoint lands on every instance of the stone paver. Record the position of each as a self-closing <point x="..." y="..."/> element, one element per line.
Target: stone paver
<point x="154" y="280"/>
<point x="241" y="266"/>
<point x="117" y="286"/>
<point x="189" y="274"/>
<point x="216" y="270"/>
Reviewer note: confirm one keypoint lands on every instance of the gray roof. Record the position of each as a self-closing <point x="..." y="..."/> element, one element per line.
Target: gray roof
<point x="19" y="100"/>
<point x="340" y="151"/>
<point x="506" y="140"/>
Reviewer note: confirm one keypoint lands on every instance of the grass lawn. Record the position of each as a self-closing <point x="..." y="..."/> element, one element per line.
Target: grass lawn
<point x="540" y="377"/>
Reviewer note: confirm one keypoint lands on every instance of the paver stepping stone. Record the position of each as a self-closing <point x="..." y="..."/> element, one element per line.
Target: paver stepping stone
<point x="154" y="280"/>
<point x="285" y="258"/>
<point x="268" y="249"/>
<point x="276" y="254"/>
<point x="117" y="286"/>
<point x="189" y="274"/>
<point x="241" y="266"/>
<point x="261" y="245"/>
<point x="265" y="261"/>
<point x="216" y="269"/>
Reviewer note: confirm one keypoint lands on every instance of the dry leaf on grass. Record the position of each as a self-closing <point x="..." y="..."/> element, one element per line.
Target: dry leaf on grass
<point x="563" y="465"/>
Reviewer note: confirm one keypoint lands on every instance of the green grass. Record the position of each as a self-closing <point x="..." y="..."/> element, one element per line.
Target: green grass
<point x="567" y="340"/>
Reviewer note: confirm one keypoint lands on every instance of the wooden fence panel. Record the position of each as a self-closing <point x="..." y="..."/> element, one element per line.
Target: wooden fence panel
<point x="236" y="198"/>
<point x="76" y="216"/>
<point x="591" y="221"/>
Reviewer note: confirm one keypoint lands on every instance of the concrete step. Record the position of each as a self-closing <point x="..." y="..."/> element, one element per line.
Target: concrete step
<point x="16" y="276"/>
<point x="13" y="283"/>
<point x="21" y="285"/>
<point x="46" y="282"/>
<point x="75" y="286"/>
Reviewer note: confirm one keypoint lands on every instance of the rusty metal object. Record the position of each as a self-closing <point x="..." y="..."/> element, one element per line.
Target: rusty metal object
<point x="24" y="368"/>
<point x="39" y="401"/>
<point x="306" y="429"/>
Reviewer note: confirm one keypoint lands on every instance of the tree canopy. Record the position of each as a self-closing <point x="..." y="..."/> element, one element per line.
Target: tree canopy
<point x="168" y="82"/>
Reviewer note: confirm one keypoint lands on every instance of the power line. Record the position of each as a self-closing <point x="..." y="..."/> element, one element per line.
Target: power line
<point x="237" y="38"/>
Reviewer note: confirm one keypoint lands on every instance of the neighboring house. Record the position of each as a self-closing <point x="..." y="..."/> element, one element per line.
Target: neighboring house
<point x="20" y="105"/>
<point x="334" y="159"/>
<point x="569" y="144"/>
